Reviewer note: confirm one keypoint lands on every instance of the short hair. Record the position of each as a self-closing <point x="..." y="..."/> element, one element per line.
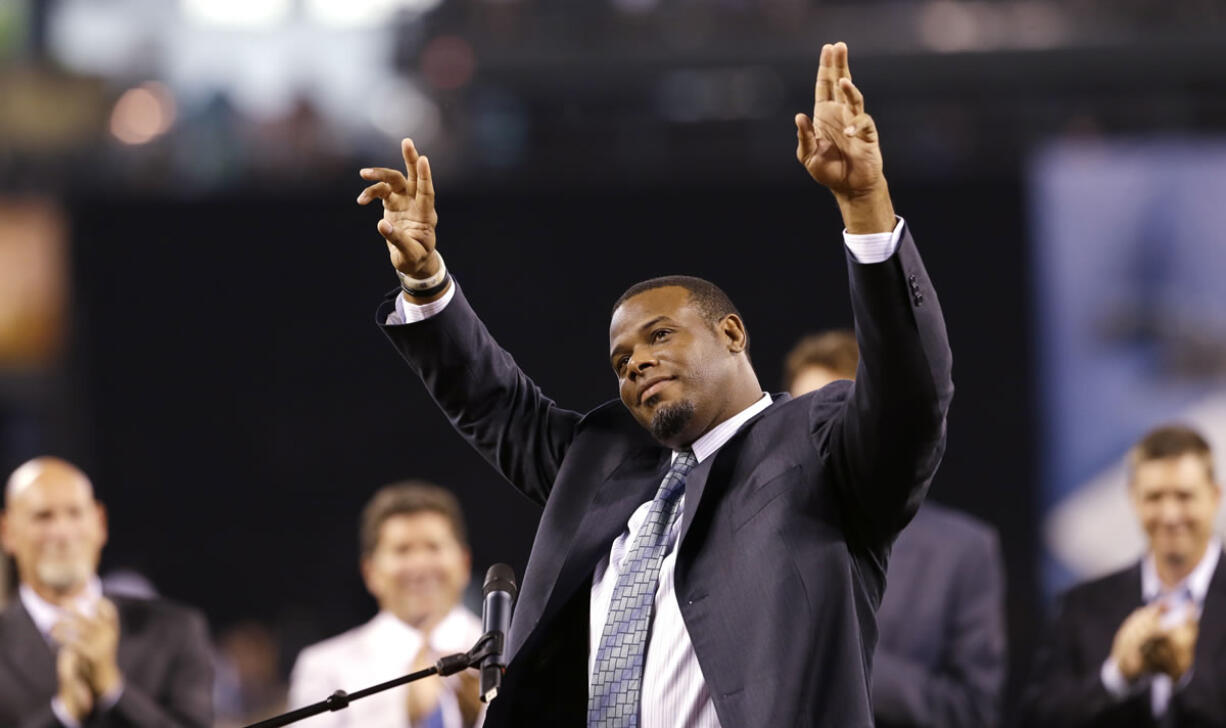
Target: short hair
<point x="710" y="300"/>
<point x="408" y="498"/>
<point x="835" y="350"/>
<point x="1170" y="441"/>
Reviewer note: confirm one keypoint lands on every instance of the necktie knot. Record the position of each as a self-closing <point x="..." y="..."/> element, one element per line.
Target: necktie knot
<point x="674" y="481"/>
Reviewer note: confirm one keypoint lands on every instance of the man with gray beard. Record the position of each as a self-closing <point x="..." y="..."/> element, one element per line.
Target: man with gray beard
<point x="71" y="656"/>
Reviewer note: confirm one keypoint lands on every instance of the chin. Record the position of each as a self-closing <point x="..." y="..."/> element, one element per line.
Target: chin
<point x="670" y="420"/>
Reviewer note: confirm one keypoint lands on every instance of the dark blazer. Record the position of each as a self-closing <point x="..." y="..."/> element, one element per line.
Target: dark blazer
<point x="786" y="529"/>
<point x="163" y="655"/>
<point x="941" y="658"/>
<point x="1067" y="690"/>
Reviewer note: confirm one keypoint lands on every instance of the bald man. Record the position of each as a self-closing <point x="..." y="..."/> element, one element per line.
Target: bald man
<point x="71" y="656"/>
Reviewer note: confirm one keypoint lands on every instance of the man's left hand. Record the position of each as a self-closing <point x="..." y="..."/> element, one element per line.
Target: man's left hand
<point x="1173" y="650"/>
<point x="839" y="147"/>
<point x="95" y="641"/>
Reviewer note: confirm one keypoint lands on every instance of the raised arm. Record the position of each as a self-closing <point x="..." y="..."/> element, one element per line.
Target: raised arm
<point x="885" y="446"/>
<point x="477" y="384"/>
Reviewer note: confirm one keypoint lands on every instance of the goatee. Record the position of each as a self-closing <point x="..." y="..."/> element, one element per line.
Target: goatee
<point x="671" y="418"/>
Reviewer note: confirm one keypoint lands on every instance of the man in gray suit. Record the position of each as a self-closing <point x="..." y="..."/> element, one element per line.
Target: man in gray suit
<point x="940" y="657"/>
<point x="70" y="656"/>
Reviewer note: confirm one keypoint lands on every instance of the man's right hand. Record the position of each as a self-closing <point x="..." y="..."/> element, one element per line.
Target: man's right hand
<point x="74" y="691"/>
<point x="1127" y="649"/>
<point x="409" y="218"/>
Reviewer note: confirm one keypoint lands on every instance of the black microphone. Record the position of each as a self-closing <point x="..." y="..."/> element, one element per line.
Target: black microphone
<point x="500" y="592"/>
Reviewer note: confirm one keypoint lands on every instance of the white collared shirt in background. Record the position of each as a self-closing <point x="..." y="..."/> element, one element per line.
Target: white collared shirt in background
<point x="380" y="650"/>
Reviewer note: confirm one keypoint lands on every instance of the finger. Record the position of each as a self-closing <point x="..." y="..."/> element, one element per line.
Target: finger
<point x="825" y="75"/>
<point x="852" y="96"/>
<point x="806" y="140"/>
<point x="379" y="190"/>
<point x="841" y="71"/>
<point x="414" y="247"/>
<point x="394" y="178"/>
<point x="107" y="612"/>
<point x="425" y="180"/>
<point x="862" y="127"/>
<point x="408" y="150"/>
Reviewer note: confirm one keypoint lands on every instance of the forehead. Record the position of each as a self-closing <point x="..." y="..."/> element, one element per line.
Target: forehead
<point x="49" y="490"/>
<point x="425" y="525"/>
<point x="1183" y="471"/>
<point x="671" y="301"/>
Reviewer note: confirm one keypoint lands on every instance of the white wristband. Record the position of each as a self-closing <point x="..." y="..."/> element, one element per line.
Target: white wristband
<point x="425" y="284"/>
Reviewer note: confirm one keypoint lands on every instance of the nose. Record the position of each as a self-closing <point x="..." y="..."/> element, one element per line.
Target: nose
<point x="1171" y="513"/>
<point x="641" y="359"/>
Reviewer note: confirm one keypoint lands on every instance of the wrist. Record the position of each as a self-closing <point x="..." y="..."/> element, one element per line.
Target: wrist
<point x="867" y="211"/>
<point x="429" y="267"/>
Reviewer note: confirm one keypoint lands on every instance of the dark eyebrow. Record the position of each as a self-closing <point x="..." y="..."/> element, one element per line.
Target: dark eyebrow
<point x="644" y="327"/>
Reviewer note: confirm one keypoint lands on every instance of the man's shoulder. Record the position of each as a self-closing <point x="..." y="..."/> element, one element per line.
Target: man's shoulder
<point x="156" y="611"/>
<point x="338" y="647"/>
<point x="950" y="524"/>
<point x="1107" y="589"/>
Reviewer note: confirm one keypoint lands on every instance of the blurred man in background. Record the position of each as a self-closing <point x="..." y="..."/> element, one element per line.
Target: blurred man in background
<point x="1143" y="646"/>
<point x="70" y="656"/>
<point x="416" y="564"/>
<point x="940" y="658"/>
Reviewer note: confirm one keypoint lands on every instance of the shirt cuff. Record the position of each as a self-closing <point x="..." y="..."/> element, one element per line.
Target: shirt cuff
<point x="1114" y="681"/>
<point x="62" y="715"/>
<point x="411" y="313"/>
<point x="874" y="247"/>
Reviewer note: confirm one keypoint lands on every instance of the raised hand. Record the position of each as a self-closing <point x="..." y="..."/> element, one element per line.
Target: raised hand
<point x="74" y="691"/>
<point x="409" y="218"/>
<point x="1128" y="648"/>
<point x="839" y="146"/>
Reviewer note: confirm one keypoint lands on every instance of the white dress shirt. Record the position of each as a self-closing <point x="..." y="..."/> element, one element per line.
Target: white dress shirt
<point x="675" y="694"/>
<point x="1186" y="599"/>
<point x="46" y="615"/>
<point x="382" y="649"/>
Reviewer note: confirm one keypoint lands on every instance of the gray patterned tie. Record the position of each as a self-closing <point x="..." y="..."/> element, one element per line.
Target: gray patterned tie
<point x="618" y="676"/>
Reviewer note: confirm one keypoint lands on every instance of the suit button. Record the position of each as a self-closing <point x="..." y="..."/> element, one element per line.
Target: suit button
<point x="919" y="298"/>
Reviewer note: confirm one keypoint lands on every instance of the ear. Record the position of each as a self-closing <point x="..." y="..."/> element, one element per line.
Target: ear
<point x="735" y="337"/>
<point x="4" y="532"/>
<point x="364" y="567"/>
<point x="103" y="531"/>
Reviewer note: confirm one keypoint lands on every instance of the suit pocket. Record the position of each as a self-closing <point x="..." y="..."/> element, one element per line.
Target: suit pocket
<point x="761" y="492"/>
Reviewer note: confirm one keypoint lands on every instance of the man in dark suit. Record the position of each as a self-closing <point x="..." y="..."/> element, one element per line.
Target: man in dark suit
<point x="941" y="656"/>
<point x="1146" y="646"/>
<point x="708" y="555"/>
<point x="70" y="656"/>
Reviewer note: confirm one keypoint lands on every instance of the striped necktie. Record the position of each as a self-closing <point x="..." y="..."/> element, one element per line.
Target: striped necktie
<point x="618" y="676"/>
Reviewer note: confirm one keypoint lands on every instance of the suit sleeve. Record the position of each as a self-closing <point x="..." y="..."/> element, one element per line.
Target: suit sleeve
<point x="187" y="696"/>
<point x="965" y="690"/>
<point x="44" y="718"/>
<point x="1202" y="701"/>
<point x="884" y="446"/>
<point x="1066" y="689"/>
<point x="485" y="395"/>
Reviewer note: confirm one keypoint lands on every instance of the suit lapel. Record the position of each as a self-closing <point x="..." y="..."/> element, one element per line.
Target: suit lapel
<point x="633" y="483"/>
<point x="1212" y="630"/>
<point x="26" y="650"/>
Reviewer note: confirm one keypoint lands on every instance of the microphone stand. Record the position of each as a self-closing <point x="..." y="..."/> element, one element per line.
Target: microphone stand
<point x="489" y="644"/>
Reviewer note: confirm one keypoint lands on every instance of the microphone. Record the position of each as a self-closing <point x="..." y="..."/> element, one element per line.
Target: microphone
<point x="500" y="592"/>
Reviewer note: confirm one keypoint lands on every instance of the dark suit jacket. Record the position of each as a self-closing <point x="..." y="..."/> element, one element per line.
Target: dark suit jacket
<point x="786" y="529"/>
<point x="163" y="655"/>
<point x="1067" y="690"/>
<point x="941" y="657"/>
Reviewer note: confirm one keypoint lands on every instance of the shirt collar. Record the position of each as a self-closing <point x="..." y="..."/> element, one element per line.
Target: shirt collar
<point x="395" y="635"/>
<point x="46" y="615"/>
<point x="706" y="446"/>
<point x="1196" y="583"/>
